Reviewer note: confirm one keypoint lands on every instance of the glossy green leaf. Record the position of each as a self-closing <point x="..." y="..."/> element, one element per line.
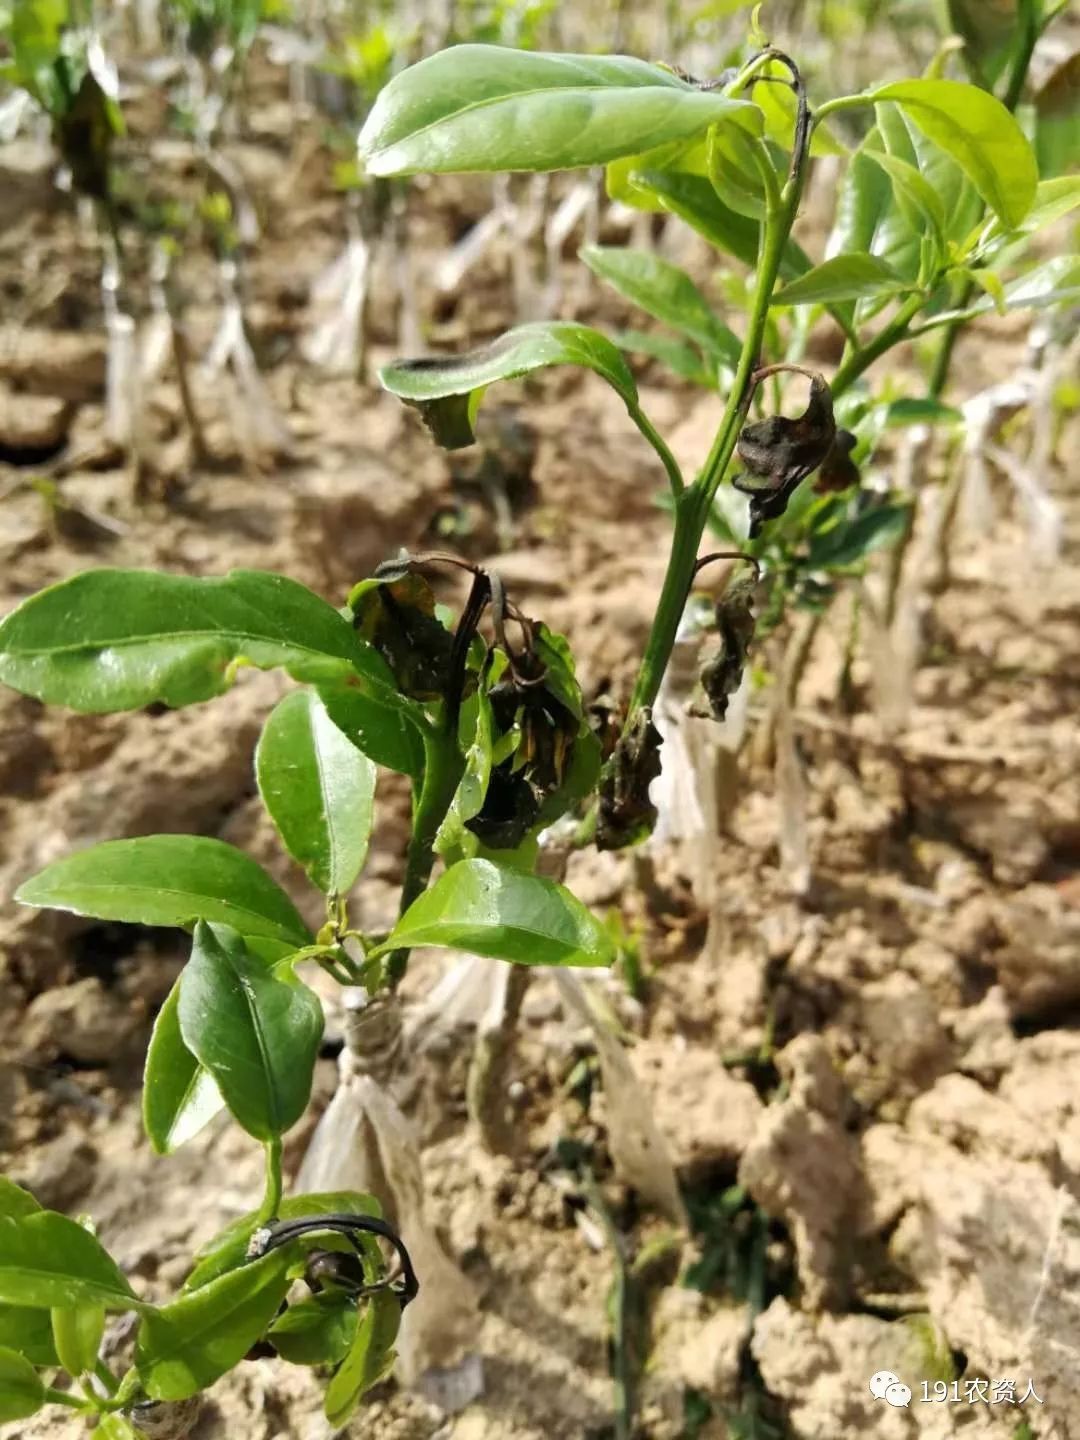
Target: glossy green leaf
<point x="693" y="199"/>
<point x="733" y="170"/>
<point x="868" y="221"/>
<point x="22" y="1392"/>
<point x="257" y="1035"/>
<point x="486" y="910"/>
<point x="77" y="1332"/>
<point x="319" y="789"/>
<point x="849" y="542"/>
<point x="15" y="1201"/>
<point x="370" y="1357"/>
<point x="187" y="1345"/>
<point x="922" y="203"/>
<point x="665" y="292"/>
<point x="317" y="1331"/>
<point x="47" y="1260"/>
<point x="179" y="1097"/>
<point x="29" y="1331"/>
<point x="167" y="880"/>
<point x="978" y="133"/>
<point x="111" y="640"/>
<point x="437" y="382"/>
<point x="476" y="736"/>
<point x="1054" y="282"/>
<point x="844" y="277"/>
<point x="1054" y="199"/>
<point x="680" y="358"/>
<point x="385" y="733"/>
<point x="228" y="1248"/>
<point x="483" y="107"/>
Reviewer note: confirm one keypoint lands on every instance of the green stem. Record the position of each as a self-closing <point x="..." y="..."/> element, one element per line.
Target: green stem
<point x="61" y="1397"/>
<point x="443" y="765"/>
<point x="106" y="1376"/>
<point x="272" y="1196"/>
<point x="693" y="505"/>
<point x="656" y="440"/>
<point x="891" y="334"/>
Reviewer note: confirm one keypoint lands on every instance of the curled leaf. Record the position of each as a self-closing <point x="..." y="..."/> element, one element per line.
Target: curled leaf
<point x="722" y="671"/>
<point x="779" y="453"/>
<point x="626" y="814"/>
<point x="395" y="613"/>
<point x="838" y="470"/>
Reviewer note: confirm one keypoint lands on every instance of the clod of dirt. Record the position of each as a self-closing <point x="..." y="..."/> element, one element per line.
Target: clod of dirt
<point x="909" y="1047"/>
<point x="707" y="1116"/>
<point x="63" y="1171"/>
<point x="1039" y="965"/>
<point x="69" y="365"/>
<point x="85" y="1022"/>
<point x="691" y="1347"/>
<point x="820" y="1366"/>
<point x="33" y="428"/>
<point x="803" y="1167"/>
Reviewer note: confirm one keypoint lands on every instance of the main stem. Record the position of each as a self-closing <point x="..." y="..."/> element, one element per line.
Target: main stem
<point x="443" y="765"/>
<point x="692" y="506"/>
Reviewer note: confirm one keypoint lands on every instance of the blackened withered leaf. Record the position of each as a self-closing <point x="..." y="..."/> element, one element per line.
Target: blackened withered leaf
<point x="722" y="671"/>
<point x="838" y="470"/>
<point x="626" y="815"/>
<point x="397" y="616"/>
<point x="450" y="419"/>
<point x="84" y="136"/>
<point x="779" y="453"/>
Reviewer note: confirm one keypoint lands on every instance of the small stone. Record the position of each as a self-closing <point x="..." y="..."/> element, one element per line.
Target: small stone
<point x="84" y="1021"/>
<point x="64" y="1171"/>
<point x="706" y="1115"/>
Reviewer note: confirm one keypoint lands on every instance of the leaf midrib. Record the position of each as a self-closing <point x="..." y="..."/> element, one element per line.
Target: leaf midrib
<point x="109" y="888"/>
<point x="559" y="90"/>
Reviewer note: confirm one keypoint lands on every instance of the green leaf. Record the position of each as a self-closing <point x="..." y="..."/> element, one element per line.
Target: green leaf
<point x="15" y="1201"/>
<point x="433" y="383"/>
<point x="480" y="907"/>
<point x="733" y="171"/>
<point x="385" y="733"/>
<point x="316" y="1331"/>
<point x="476" y="736"/>
<point x="914" y="193"/>
<point x="115" y="1427"/>
<point x="22" y="1392"/>
<point x="692" y="198"/>
<point x="1053" y="200"/>
<point x="179" y="1097"/>
<point x="257" y="1035"/>
<point x="680" y="358"/>
<point x="849" y="542"/>
<point x="111" y="640"/>
<point x="665" y="292"/>
<point x="844" y="277"/>
<point x="921" y="411"/>
<point x="319" y="789"/>
<point x="482" y="107"/>
<point x="228" y="1249"/>
<point x="370" y="1357"/>
<point x="29" y="1331"/>
<point x="187" y="1345"/>
<point x="47" y="1260"/>
<point x="77" y="1332"/>
<point x="1053" y="282"/>
<point x="978" y="133"/>
<point x="167" y="880"/>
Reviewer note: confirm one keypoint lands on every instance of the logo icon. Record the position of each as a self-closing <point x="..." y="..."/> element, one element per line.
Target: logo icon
<point x="890" y="1388"/>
